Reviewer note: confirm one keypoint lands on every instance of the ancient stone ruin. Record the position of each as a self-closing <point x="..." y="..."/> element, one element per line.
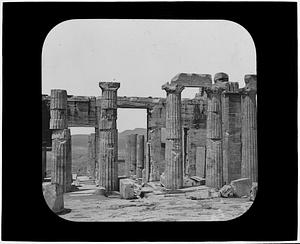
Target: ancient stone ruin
<point x="210" y="139"/>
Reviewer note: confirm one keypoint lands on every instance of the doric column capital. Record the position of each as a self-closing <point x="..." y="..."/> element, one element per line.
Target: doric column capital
<point x="221" y="77"/>
<point x="172" y="88"/>
<point x="110" y="86"/>
<point x="250" y="81"/>
<point x="250" y="85"/>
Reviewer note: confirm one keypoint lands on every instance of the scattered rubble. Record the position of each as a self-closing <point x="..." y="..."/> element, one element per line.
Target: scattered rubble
<point x="203" y="194"/>
<point x="253" y="191"/>
<point x="238" y="188"/>
<point x="127" y="189"/>
<point x="227" y="191"/>
<point x="241" y="187"/>
<point x="193" y="181"/>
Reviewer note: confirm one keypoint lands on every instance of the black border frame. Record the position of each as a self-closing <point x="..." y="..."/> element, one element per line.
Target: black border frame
<point x="273" y="216"/>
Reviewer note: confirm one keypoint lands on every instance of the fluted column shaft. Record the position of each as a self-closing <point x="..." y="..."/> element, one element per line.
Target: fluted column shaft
<point x="108" y="137"/>
<point x="61" y="140"/>
<point x="214" y="155"/>
<point x="97" y="167"/>
<point x="130" y="156"/>
<point x="231" y="127"/>
<point x="249" y="129"/>
<point x="155" y="153"/>
<point x="92" y="154"/>
<point x="139" y="155"/>
<point x="174" y="163"/>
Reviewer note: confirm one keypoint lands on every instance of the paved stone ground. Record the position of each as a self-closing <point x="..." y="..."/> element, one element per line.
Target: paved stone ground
<point x="83" y="205"/>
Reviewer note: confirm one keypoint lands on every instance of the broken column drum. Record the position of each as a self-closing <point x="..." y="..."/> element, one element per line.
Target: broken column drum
<point x="214" y="155"/>
<point x="61" y="140"/>
<point x="174" y="163"/>
<point x="130" y="156"/>
<point x="139" y="155"/>
<point x="108" y="137"/>
<point x="249" y="129"/>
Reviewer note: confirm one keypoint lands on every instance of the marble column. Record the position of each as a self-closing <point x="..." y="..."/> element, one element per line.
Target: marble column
<point x="231" y="127"/>
<point x="108" y="137"/>
<point x="249" y="129"/>
<point x="155" y="153"/>
<point x="174" y="163"/>
<point x="146" y="170"/>
<point x="92" y="155"/>
<point x="130" y="155"/>
<point x="97" y="167"/>
<point x="214" y="153"/>
<point x="61" y="140"/>
<point x="139" y="155"/>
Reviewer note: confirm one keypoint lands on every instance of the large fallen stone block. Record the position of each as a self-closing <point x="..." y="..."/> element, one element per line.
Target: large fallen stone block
<point x="127" y="189"/>
<point x="241" y="187"/>
<point x="53" y="194"/>
<point x="193" y="181"/>
<point x="253" y="191"/>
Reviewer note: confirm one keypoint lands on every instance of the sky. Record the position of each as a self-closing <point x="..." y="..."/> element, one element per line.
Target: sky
<point x="142" y="55"/>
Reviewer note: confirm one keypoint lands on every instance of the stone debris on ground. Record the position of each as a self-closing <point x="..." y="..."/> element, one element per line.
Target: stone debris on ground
<point x="227" y="191"/>
<point x="253" y="191"/>
<point x="127" y="189"/>
<point x="155" y="207"/>
<point x="202" y="194"/>
<point x="241" y="187"/>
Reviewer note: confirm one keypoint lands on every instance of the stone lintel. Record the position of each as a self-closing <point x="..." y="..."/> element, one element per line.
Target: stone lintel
<point x="112" y="86"/>
<point x="192" y="80"/>
<point x="172" y="88"/>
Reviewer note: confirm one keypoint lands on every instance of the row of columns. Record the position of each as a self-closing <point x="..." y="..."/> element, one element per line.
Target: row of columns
<point x="61" y="141"/>
<point x="107" y="136"/>
<point x="214" y="157"/>
<point x="215" y="142"/>
<point x="134" y="157"/>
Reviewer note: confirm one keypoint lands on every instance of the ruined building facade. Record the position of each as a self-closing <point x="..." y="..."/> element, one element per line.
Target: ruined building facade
<point x="212" y="136"/>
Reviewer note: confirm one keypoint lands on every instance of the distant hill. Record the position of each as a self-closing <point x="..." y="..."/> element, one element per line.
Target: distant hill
<point x="122" y="139"/>
<point x="80" y="140"/>
<point x="80" y="149"/>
